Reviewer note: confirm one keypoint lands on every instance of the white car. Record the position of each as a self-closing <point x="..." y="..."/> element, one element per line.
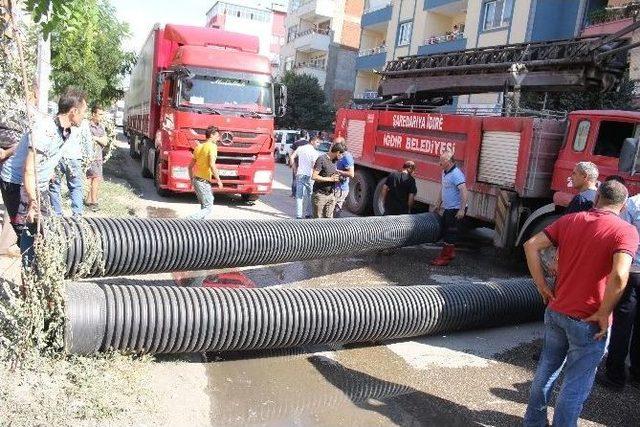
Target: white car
<point x="284" y="138"/>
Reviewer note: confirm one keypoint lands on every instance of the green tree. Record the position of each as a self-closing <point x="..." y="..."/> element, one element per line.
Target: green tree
<point x="306" y="105"/>
<point x="86" y="50"/>
<point x="620" y="99"/>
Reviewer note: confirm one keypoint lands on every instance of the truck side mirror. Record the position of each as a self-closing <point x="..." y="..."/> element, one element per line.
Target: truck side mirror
<point x="159" y="82"/>
<point x="281" y="99"/>
<point x="629" y="161"/>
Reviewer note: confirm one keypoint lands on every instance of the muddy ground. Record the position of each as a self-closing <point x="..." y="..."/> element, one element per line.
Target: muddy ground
<point x="479" y="377"/>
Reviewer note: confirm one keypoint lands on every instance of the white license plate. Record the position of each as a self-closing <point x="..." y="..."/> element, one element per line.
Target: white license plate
<point x="227" y="172"/>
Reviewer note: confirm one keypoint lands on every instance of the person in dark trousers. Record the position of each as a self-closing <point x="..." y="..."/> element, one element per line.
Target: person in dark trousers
<point x="325" y="176"/>
<point x="453" y="198"/>
<point x="625" y="328"/>
<point x="399" y="190"/>
<point x="584" y="178"/>
<point x="595" y="252"/>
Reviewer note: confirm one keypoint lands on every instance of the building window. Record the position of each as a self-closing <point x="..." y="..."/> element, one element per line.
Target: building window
<point x="497" y="14"/>
<point x="404" y="33"/>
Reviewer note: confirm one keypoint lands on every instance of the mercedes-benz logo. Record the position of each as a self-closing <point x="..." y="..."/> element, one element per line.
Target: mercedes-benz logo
<point x="226" y="138"/>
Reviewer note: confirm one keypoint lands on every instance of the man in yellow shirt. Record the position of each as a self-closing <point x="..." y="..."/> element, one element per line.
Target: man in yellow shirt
<point x="202" y="168"/>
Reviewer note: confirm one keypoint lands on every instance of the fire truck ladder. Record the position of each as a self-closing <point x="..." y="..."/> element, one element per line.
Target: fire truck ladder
<point x="560" y="65"/>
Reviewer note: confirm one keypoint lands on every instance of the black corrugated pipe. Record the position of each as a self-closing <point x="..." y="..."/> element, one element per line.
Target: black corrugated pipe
<point x="170" y="319"/>
<point x="142" y="246"/>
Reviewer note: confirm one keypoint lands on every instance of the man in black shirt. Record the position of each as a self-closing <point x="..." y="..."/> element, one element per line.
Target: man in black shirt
<point x="325" y="177"/>
<point x="399" y="190"/>
<point x="584" y="178"/>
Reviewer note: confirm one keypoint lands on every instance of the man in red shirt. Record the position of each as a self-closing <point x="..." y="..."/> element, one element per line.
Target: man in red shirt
<point x="595" y="251"/>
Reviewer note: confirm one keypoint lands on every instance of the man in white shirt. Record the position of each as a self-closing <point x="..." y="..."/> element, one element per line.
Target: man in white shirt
<point x="306" y="158"/>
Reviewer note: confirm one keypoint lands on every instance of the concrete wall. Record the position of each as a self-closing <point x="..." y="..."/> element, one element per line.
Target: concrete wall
<point x="341" y="76"/>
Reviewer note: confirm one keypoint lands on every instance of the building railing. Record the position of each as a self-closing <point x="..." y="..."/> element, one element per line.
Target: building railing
<point x="314" y="64"/>
<point x="611" y="14"/>
<point x="372" y="51"/>
<point x="443" y="38"/>
<point x="375" y="7"/>
<point x="321" y="31"/>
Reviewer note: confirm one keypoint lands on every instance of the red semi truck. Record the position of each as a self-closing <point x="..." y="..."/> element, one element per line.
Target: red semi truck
<point x="517" y="168"/>
<point x="189" y="78"/>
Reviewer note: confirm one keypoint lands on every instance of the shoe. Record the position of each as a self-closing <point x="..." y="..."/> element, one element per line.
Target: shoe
<point x="603" y="379"/>
<point x="447" y="254"/>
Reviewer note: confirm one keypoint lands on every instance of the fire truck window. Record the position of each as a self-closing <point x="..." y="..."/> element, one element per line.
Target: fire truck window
<point x="581" y="135"/>
<point x="611" y="136"/>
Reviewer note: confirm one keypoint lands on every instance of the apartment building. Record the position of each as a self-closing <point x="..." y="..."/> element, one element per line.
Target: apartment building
<point x="264" y="19"/>
<point x="391" y="29"/>
<point x="323" y="37"/>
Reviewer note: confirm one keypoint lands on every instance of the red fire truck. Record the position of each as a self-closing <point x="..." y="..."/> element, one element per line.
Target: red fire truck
<point x="517" y="163"/>
<point x="189" y="78"/>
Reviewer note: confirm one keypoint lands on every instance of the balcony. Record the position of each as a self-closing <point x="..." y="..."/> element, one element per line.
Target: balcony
<point x="377" y="15"/>
<point x="312" y="40"/>
<point x="313" y="9"/>
<point x="371" y="59"/>
<point x="446" y="7"/>
<point x="610" y="20"/>
<point x="315" y="69"/>
<point x="443" y="43"/>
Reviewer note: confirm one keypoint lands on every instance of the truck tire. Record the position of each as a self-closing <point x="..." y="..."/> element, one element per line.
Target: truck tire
<point x="162" y="192"/>
<point x="249" y="198"/>
<point x="132" y="150"/>
<point x="541" y="224"/>
<point x="378" y="202"/>
<point x="361" y="189"/>
<point x="144" y="170"/>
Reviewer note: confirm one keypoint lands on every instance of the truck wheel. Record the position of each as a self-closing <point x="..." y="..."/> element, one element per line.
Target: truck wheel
<point x="132" y="150"/>
<point x="541" y="224"/>
<point x="249" y="198"/>
<point x="378" y="201"/>
<point x="361" y="189"/>
<point x="162" y="192"/>
<point x="146" y="173"/>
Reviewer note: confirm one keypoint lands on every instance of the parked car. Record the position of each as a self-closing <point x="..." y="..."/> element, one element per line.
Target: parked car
<point x="324" y="147"/>
<point x="284" y="138"/>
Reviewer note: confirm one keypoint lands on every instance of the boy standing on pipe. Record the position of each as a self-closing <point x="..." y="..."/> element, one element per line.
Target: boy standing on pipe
<point x="453" y="197"/>
<point x="202" y="168"/>
<point x="595" y="251"/>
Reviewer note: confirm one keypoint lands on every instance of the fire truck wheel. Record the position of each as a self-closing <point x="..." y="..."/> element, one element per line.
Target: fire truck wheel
<point x="378" y="201"/>
<point x="361" y="189"/>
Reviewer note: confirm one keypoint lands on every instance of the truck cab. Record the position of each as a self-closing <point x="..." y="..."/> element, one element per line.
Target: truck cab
<point x="597" y="136"/>
<point x="607" y="138"/>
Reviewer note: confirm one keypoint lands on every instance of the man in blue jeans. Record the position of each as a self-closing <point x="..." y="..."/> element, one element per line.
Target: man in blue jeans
<point x="79" y="147"/>
<point x="305" y="157"/>
<point x="595" y="251"/>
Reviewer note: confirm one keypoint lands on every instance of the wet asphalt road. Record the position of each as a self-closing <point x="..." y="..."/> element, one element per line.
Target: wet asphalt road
<point x="479" y="377"/>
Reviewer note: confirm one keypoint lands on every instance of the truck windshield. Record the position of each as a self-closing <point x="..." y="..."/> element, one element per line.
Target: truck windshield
<point x="243" y="93"/>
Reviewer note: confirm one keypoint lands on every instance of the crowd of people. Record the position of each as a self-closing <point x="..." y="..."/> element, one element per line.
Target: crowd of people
<point x="66" y="147"/>
<point x="591" y="298"/>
